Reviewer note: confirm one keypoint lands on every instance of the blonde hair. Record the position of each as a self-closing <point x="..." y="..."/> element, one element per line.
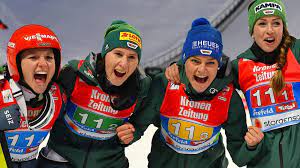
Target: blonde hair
<point x="277" y="81"/>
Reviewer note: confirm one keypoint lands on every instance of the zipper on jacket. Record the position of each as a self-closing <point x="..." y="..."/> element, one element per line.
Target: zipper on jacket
<point x="280" y="149"/>
<point x="87" y="154"/>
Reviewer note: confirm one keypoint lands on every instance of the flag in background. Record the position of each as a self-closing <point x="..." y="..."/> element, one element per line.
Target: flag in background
<point x="3" y="26"/>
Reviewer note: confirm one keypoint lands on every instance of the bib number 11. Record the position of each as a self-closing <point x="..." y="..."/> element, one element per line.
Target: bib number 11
<point x="189" y="131"/>
<point x="265" y="96"/>
<point x="86" y="119"/>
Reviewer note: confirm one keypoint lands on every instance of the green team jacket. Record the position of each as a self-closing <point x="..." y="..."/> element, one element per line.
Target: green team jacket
<point x="268" y="153"/>
<point x="162" y="156"/>
<point x="83" y="152"/>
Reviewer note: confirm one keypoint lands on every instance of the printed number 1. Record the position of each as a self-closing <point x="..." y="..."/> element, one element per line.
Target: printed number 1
<point x="190" y="129"/>
<point x="271" y="94"/>
<point x="99" y="122"/>
<point x="14" y="140"/>
<point x="85" y="116"/>
<point x="16" y="137"/>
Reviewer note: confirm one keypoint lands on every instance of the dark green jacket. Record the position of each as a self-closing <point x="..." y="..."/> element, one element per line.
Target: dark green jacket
<point x="162" y="156"/>
<point x="280" y="148"/>
<point x="83" y="152"/>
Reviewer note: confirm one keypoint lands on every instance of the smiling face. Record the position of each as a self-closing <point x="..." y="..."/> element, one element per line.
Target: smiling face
<point x="120" y="63"/>
<point x="201" y="71"/>
<point x="38" y="68"/>
<point x="267" y="33"/>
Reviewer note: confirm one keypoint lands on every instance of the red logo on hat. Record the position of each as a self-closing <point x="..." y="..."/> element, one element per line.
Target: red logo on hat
<point x="124" y="35"/>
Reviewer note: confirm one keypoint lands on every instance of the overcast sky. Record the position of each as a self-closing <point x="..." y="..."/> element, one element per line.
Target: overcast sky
<point x="80" y="26"/>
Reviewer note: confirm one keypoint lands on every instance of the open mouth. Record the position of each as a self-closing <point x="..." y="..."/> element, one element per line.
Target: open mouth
<point x="270" y="40"/>
<point x="119" y="74"/>
<point x="40" y="76"/>
<point x="201" y="79"/>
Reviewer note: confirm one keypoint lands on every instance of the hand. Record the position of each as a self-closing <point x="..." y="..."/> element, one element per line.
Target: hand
<point x="172" y="74"/>
<point x="253" y="136"/>
<point x="125" y="133"/>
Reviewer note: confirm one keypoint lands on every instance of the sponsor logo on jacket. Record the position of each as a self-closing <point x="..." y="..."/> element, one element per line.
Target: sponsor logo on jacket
<point x="193" y="104"/>
<point x="190" y="113"/>
<point x="286" y="107"/>
<point x="8" y="117"/>
<point x="99" y="105"/>
<point x="263" y="73"/>
<point x="7" y="96"/>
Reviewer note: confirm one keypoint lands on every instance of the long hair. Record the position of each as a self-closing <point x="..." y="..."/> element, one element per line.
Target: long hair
<point x="277" y="81"/>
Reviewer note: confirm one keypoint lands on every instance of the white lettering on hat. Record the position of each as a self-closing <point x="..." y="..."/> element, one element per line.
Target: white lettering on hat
<point x="267" y="5"/>
<point x="131" y="45"/>
<point x="205" y="45"/>
<point x="39" y="37"/>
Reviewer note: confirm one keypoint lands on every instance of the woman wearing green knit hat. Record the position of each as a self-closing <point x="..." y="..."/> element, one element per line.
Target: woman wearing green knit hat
<point x="104" y="91"/>
<point x="268" y="74"/>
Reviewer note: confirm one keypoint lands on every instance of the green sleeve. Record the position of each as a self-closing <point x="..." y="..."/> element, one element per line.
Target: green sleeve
<point x="67" y="78"/>
<point x="236" y="126"/>
<point x="296" y="50"/>
<point x="2" y="73"/>
<point x="180" y="62"/>
<point x="143" y="90"/>
<point x="149" y="114"/>
<point x="2" y="68"/>
<point x="235" y="73"/>
<point x="235" y="130"/>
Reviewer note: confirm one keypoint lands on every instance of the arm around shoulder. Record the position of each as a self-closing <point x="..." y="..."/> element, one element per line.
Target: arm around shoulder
<point x="236" y="129"/>
<point x="296" y="50"/>
<point x="67" y="78"/>
<point x="235" y="73"/>
<point x="149" y="112"/>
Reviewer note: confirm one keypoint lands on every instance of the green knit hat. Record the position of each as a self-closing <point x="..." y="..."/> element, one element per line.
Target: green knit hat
<point x="261" y="8"/>
<point x="122" y="35"/>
